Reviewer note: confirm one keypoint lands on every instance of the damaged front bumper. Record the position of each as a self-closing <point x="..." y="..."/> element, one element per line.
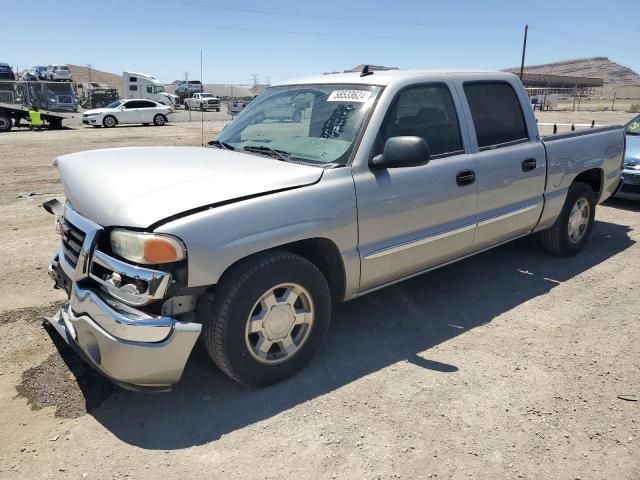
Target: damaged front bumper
<point x="134" y="349"/>
<point x="102" y="319"/>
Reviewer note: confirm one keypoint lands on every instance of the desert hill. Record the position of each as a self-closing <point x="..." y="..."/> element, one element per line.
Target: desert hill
<point x="617" y="77"/>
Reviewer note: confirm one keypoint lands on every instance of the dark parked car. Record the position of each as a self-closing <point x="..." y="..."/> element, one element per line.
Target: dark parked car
<point x="6" y="73"/>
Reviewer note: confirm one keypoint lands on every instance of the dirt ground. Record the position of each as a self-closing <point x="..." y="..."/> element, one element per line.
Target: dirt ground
<point x="512" y="364"/>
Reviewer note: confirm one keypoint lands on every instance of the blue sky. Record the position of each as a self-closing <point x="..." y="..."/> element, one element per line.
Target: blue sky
<point x="280" y="39"/>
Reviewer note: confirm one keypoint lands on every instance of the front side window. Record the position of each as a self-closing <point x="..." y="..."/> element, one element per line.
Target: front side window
<point x="158" y="89"/>
<point x="425" y="111"/>
<point x="130" y="105"/>
<point x="633" y="127"/>
<point x="496" y="112"/>
<point x="305" y="123"/>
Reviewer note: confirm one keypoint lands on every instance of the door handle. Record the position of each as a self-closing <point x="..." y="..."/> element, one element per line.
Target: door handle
<point x="465" y="177"/>
<point x="529" y="164"/>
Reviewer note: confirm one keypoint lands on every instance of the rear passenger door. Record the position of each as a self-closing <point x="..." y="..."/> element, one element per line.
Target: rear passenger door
<point x="147" y="111"/>
<point x="510" y="163"/>
<point x="413" y="218"/>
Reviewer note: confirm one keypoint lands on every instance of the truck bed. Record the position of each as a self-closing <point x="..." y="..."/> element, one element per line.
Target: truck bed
<point x="599" y="151"/>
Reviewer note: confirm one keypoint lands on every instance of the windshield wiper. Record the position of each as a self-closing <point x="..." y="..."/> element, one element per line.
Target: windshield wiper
<point x="221" y="145"/>
<point x="279" y="154"/>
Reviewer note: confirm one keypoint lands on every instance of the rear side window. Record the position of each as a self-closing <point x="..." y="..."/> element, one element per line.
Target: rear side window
<point x="496" y="112"/>
<point x="426" y="111"/>
<point x="133" y="88"/>
<point x="145" y="104"/>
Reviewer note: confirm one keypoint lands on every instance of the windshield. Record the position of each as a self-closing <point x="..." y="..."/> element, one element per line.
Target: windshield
<point x="308" y="123"/>
<point x="208" y="95"/>
<point x="115" y="104"/>
<point x="633" y="127"/>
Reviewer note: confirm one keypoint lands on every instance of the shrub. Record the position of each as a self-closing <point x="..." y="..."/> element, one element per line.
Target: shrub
<point x="635" y="108"/>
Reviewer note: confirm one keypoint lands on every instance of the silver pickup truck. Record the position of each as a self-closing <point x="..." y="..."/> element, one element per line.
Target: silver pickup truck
<point x="248" y="243"/>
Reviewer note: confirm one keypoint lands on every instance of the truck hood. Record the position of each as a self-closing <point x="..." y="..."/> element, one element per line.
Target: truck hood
<point x="137" y="187"/>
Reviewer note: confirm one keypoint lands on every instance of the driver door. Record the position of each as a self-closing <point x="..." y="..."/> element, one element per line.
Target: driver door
<point x="130" y="112"/>
<point x="414" y="218"/>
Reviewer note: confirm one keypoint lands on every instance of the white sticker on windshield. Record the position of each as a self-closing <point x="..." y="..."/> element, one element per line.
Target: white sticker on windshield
<point x="349" y="96"/>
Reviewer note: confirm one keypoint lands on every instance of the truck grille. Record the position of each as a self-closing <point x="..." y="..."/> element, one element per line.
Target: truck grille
<point x="72" y="240"/>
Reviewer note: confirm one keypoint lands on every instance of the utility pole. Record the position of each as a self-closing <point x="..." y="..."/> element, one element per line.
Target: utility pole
<point x="186" y="81"/>
<point x="613" y="102"/>
<point x="524" y="50"/>
<point x="254" y="77"/>
<point x="89" y="66"/>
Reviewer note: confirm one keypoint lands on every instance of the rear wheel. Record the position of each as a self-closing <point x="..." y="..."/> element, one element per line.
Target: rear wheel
<point x="572" y="228"/>
<point x="269" y="315"/>
<point x="109" y="121"/>
<point x="159" y="120"/>
<point x="5" y="123"/>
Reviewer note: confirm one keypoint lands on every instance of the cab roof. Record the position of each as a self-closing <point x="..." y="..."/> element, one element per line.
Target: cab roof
<point x="385" y="77"/>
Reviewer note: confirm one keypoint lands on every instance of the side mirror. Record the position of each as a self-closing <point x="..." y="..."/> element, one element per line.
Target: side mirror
<point x="402" y="152"/>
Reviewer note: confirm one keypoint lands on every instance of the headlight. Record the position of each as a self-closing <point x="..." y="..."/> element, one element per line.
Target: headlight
<point x="147" y="248"/>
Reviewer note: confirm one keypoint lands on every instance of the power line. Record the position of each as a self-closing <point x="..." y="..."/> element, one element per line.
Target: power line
<point x="368" y="36"/>
<point x="324" y="16"/>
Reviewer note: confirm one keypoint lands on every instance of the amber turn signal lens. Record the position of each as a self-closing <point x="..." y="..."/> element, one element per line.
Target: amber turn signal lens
<point x="159" y="250"/>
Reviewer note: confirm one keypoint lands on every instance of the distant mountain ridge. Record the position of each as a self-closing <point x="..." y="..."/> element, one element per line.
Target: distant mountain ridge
<point x="616" y="77"/>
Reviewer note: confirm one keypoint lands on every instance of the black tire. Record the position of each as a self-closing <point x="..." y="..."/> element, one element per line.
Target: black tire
<point x="557" y="240"/>
<point x="225" y="315"/>
<point x="109" y="121"/>
<point x="159" y="120"/>
<point x="218" y="110"/>
<point x="186" y="106"/>
<point x="202" y="107"/>
<point x="5" y="123"/>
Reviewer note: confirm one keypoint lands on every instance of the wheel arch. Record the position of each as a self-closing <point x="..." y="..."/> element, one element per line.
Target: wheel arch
<point x="322" y="252"/>
<point x="594" y="177"/>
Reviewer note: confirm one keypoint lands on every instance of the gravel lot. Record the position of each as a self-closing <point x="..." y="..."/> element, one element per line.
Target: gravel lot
<point x="511" y="364"/>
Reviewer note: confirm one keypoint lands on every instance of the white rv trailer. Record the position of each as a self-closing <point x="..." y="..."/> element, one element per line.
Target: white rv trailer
<point x="141" y="85"/>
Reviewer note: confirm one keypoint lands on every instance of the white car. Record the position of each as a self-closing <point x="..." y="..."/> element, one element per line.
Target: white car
<point x="58" y="72"/>
<point x="128" y="111"/>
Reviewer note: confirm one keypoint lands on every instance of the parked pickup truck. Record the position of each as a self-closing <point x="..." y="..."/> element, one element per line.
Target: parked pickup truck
<point x="202" y="101"/>
<point x="248" y="244"/>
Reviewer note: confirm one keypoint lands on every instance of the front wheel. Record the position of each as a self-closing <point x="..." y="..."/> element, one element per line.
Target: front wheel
<point x="269" y="315"/>
<point x="109" y="121"/>
<point x="159" y="120"/>
<point x="572" y="228"/>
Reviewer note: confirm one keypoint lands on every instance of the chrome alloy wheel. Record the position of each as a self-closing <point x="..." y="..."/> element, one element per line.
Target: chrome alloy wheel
<point x="579" y="220"/>
<point x="280" y="323"/>
<point x="109" y="122"/>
